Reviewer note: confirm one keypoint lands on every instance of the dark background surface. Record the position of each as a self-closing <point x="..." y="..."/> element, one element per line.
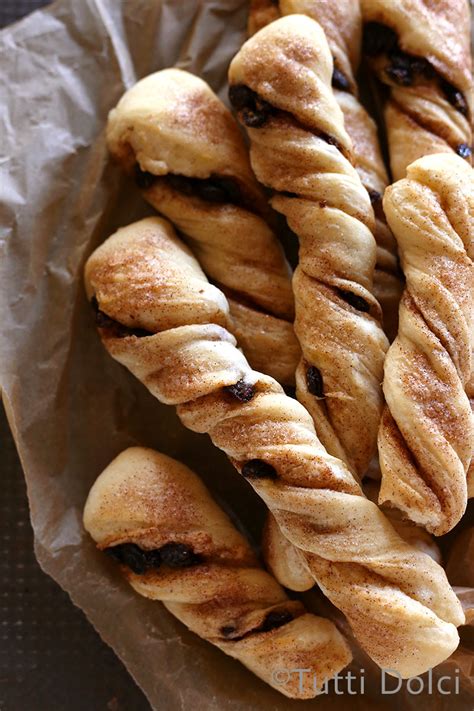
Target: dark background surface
<point x="50" y="657"/>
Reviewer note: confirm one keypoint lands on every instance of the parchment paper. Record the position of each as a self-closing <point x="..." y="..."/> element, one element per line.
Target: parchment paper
<point x="70" y="406"/>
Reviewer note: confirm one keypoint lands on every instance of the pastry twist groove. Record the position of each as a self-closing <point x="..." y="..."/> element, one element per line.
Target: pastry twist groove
<point x="192" y="558"/>
<point x="302" y="148"/>
<point x="160" y="318"/>
<point x="193" y="168"/>
<point x="426" y="438"/>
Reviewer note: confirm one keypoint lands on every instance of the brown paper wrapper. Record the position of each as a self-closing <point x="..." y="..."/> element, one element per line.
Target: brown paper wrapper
<point x="70" y="406"/>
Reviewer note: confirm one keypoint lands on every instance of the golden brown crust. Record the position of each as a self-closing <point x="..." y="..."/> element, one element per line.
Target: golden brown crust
<point x="172" y="124"/>
<point x="425" y="59"/>
<point x="288" y="64"/>
<point x="351" y="549"/>
<point x="149" y="500"/>
<point x="426" y="439"/>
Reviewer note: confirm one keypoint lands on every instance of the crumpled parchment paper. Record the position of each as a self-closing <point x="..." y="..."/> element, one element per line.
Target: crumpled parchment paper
<point x="70" y="406"/>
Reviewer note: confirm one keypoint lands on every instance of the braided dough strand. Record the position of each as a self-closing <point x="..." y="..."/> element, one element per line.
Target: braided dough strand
<point x="194" y="169"/>
<point x="146" y="501"/>
<point x="191" y="361"/>
<point x="426" y="438"/>
<point x="303" y="149"/>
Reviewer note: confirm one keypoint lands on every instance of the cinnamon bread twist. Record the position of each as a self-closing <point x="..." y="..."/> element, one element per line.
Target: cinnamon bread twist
<point x="288" y="563"/>
<point x="191" y="557"/>
<point x="191" y="164"/>
<point x="342" y="25"/>
<point x="426" y="439"/>
<point x="421" y="51"/>
<point x="158" y="316"/>
<point x="280" y="84"/>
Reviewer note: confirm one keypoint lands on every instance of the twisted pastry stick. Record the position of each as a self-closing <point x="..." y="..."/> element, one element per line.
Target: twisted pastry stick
<point x="191" y="163"/>
<point x="158" y="316"/>
<point x="193" y="559"/>
<point x="288" y="564"/>
<point x="342" y="25"/>
<point x="426" y="438"/>
<point x="281" y="85"/>
<point x="421" y="51"/>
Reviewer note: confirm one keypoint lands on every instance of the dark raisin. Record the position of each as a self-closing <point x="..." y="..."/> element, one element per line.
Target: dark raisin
<point x="214" y="189"/>
<point x="339" y="80"/>
<point x="241" y="96"/>
<point x="464" y="150"/>
<point x="241" y="390"/>
<point x="404" y="68"/>
<point x="104" y="321"/>
<point x="421" y="67"/>
<point x="276" y="618"/>
<point x="290" y="390"/>
<point x="374" y="196"/>
<point x="179" y="555"/>
<point x="143" y="179"/>
<point x="454" y="96"/>
<point x="355" y="300"/>
<point x="329" y="139"/>
<point x="231" y="187"/>
<point x="227" y="630"/>
<point x="314" y="381"/>
<point x="217" y="189"/>
<point x="255" y="110"/>
<point x="116" y="329"/>
<point x="137" y="559"/>
<point x="399" y="75"/>
<point x="254" y="118"/>
<point x="400" y="60"/>
<point x="181" y="183"/>
<point x="212" y="192"/>
<point x="258" y="469"/>
<point x="378" y="39"/>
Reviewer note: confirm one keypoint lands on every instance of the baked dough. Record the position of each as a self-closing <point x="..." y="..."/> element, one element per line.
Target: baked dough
<point x="301" y="150"/>
<point x="192" y="165"/>
<point x="158" y="316"/>
<point x="342" y="25"/>
<point x="288" y="564"/>
<point x="191" y="557"/>
<point x="421" y="50"/>
<point x="430" y="105"/>
<point x="426" y="439"/>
